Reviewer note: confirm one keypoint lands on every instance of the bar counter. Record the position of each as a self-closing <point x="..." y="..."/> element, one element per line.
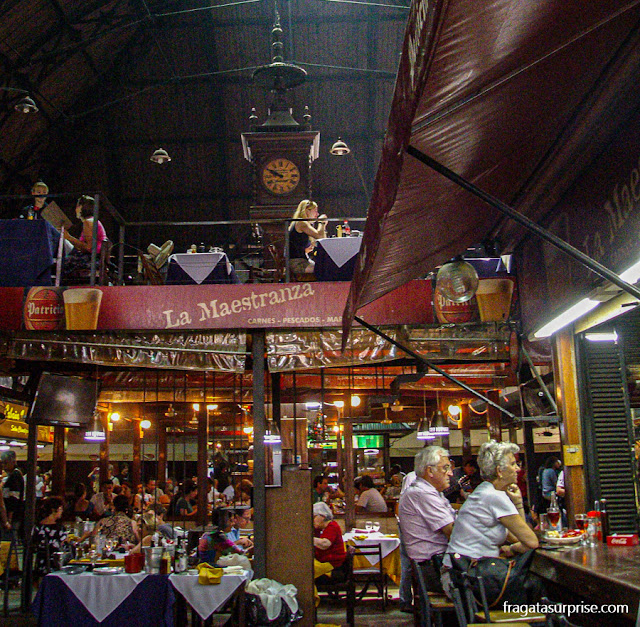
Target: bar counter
<point x="600" y="575"/>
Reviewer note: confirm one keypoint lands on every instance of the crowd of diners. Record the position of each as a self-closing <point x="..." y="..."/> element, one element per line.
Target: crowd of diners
<point x="129" y="518"/>
<point x="489" y="522"/>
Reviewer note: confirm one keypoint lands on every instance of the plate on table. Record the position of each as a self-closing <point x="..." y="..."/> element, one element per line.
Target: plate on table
<point x="75" y="569"/>
<point x="107" y="570"/>
<point x="562" y="540"/>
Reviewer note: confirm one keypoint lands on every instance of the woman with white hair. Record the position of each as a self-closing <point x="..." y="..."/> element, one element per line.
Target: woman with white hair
<point x="491" y="523"/>
<point x="329" y="549"/>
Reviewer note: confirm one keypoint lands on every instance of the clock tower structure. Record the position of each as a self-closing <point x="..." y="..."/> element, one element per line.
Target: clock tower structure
<point x="281" y="150"/>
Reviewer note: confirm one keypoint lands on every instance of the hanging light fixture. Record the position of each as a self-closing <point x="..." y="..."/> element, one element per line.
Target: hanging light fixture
<point x="272" y="435"/>
<point x="26" y="105"/>
<point x="340" y="148"/>
<point x="160" y="156"/>
<point x="387" y="420"/>
<point x="438" y="426"/>
<point x="457" y="280"/>
<point x="423" y="432"/>
<point x="95" y="432"/>
<point x="145" y="424"/>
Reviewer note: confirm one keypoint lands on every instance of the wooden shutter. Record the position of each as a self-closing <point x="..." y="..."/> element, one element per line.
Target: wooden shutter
<point x="607" y="431"/>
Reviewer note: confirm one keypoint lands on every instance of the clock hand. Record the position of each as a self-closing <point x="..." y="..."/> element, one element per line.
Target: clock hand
<point x="276" y="173"/>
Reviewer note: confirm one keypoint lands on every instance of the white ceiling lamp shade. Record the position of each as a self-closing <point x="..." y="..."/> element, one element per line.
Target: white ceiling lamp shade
<point x="160" y="156"/>
<point x="457" y="280"/>
<point x="340" y="148"/>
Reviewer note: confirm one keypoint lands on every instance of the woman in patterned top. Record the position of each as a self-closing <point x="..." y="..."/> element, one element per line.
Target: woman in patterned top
<point x="49" y="536"/>
<point x="119" y="526"/>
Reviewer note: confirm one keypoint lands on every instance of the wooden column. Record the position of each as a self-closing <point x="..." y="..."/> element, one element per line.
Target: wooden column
<point x="162" y="452"/>
<point x="104" y="449"/>
<point x="494" y="416"/>
<point x="567" y="398"/>
<point x="349" y="490"/>
<point x="203" y="447"/>
<point x="259" y="456"/>
<point x="59" y="464"/>
<point x="465" y="427"/>
<point x="135" y="463"/>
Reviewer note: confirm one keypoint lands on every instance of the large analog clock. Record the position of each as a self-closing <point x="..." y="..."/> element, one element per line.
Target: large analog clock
<point x="280" y="176"/>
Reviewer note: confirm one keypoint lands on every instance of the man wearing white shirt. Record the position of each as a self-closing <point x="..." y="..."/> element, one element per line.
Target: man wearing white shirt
<point x="425" y="515"/>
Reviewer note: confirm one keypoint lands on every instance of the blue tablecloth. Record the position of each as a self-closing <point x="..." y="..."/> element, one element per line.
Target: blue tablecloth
<point x="27" y="249"/>
<point x="150" y="604"/>
<point x="336" y="257"/>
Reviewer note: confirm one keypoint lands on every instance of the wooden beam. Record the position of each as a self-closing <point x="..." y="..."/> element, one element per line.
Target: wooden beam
<point x="203" y="443"/>
<point x="349" y="489"/>
<point x="567" y="397"/>
<point x="136" y="465"/>
<point x="59" y="462"/>
<point x="104" y="449"/>
<point x="162" y="452"/>
<point x="494" y="417"/>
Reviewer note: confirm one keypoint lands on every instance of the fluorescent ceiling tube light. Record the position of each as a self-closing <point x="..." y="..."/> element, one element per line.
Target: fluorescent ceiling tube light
<point x="602" y="337"/>
<point x="632" y="274"/>
<point x="566" y="317"/>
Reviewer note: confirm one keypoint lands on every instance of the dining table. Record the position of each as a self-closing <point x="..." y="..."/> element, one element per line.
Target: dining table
<point x="335" y="258"/>
<point x="27" y="251"/>
<point x="88" y="599"/>
<point x="390" y="549"/>
<point x="200" y="269"/>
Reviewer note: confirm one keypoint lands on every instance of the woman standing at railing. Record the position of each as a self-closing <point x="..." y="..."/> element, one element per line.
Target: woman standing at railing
<point x="302" y="236"/>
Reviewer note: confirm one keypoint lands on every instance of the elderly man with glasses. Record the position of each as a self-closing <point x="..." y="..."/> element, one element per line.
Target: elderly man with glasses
<point x="426" y="516"/>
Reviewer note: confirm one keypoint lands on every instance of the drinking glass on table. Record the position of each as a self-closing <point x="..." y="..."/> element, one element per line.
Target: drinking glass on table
<point x="581" y="525"/>
<point x="93" y="556"/>
<point x="553" y="516"/>
<point x="109" y="545"/>
<point x="368" y="526"/>
<point x="376" y="527"/>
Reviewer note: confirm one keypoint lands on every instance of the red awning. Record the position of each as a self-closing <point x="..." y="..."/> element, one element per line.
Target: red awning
<point x="514" y="96"/>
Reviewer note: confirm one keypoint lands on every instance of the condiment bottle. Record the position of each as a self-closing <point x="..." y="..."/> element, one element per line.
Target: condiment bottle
<point x="339" y="230"/>
<point x="604" y="520"/>
<point x="346" y="228"/>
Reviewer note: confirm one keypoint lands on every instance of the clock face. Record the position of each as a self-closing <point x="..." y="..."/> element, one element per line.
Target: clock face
<point x="280" y="176"/>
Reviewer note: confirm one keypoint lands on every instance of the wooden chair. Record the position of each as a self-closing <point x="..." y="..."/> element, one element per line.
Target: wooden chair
<point x="150" y="274"/>
<point x="273" y="271"/>
<point x="429" y="606"/>
<point x="487" y="615"/>
<point x="347" y="586"/>
<point x="106" y="273"/>
<point x="374" y="574"/>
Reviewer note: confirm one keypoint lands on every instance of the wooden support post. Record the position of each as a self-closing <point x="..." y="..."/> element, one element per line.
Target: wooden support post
<point x="162" y="452"/>
<point x="29" y="513"/>
<point x="59" y="464"/>
<point x="259" y="457"/>
<point x="104" y="449"/>
<point x="567" y="397"/>
<point x="349" y="489"/>
<point x="339" y="457"/>
<point x="494" y="416"/>
<point x="203" y="454"/>
<point x="465" y="427"/>
<point x="136" y="465"/>
<point x="387" y="455"/>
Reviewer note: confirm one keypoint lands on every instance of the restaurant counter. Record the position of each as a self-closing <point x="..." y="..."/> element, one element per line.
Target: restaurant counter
<point x="599" y="575"/>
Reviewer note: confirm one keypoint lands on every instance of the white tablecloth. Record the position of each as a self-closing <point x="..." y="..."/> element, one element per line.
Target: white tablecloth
<point x="341" y="249"/>
<point x="207" y="599"/>
<point x="200" y="265"/>
<point x="387" y="544"/>
<point x="101" y="594"/>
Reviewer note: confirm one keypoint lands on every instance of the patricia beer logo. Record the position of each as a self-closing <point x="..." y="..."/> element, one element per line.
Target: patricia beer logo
<point x="44" y="309"/>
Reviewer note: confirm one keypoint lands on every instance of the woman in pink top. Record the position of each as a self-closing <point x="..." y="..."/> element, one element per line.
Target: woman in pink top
<point x="77" y="263"/>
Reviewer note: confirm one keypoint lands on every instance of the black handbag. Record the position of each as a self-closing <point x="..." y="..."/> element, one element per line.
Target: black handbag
<point x="502" y="579"/>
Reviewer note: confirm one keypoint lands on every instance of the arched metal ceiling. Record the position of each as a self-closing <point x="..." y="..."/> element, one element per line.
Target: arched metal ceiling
<point x="116" y="80"/>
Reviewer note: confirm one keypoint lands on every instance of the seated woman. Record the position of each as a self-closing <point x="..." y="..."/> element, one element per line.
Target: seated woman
<point x="119" y="526"/>
<point x="181" y="505"/>
<point x="214" y="544"/>
<point x="49" y="535"/>
<point x="301" y="232"/>
<point x="78" y="262"/>
<point x="153" y="522"/>
<point x="491" y="522"/>
<point x="328" y="545"/>
<point x="80" y="506"/>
